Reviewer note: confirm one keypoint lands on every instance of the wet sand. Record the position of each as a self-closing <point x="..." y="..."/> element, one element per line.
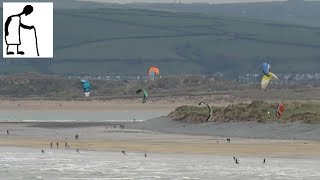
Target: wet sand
<point x="114" y="104"/>
<point x="117" y="104"/>
<point x="104" y="137"/>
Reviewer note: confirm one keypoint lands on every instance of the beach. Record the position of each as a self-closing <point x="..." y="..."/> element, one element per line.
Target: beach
<point x="174" y="150"/>
<point x="107" y="137"/>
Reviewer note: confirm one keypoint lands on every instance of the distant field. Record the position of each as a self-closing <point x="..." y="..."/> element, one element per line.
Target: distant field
<point x="128" y="41"/>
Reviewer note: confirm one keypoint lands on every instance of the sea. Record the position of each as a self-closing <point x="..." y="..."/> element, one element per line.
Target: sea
<point x="28" y="163"/>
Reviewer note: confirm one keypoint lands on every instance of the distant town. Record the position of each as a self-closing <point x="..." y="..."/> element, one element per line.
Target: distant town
<point x="246" y="78"/>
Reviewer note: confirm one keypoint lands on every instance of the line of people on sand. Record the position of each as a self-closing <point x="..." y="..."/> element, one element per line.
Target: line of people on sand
<point x="228" y="140"/>
<point x="66" y="145"/>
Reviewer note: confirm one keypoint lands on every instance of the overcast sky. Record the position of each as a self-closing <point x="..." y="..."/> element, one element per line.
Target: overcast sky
<point x="183" y="1"/>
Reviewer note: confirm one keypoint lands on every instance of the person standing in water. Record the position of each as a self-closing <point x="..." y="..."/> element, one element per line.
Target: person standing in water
<point x="237" y="161"/>
<point x="264" y="160"/>
<point x="12" y="29"/>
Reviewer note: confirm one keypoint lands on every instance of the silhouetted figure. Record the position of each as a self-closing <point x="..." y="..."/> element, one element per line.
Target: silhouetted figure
<point x="237" y="161"/>
<point x="7" y="131"/>
<point x="145" y="155"/>
<point x="234" y="158"/>
<point x="65" y="145"/>
<point x="123" y="152"/>
<point x="217" y="141"/>
<point x="12" y="29"/>
<point x="51" y="145"/>
<point x="42" y="151"/>
<point x="57" y="145"/>
<point x="264" y="160"/>
<point x="76" y="137"/>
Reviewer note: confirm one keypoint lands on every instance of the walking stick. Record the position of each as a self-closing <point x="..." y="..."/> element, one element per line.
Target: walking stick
<point x="35" y="34"/>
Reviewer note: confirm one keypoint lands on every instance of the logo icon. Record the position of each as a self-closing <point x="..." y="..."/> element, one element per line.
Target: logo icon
<point x="28" y="30"/>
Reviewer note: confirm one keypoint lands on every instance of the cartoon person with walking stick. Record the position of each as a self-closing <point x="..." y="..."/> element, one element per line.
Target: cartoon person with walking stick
<point x="12" y="30"/>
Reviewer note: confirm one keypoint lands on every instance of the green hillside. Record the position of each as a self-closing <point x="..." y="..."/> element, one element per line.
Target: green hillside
<point x="259" y="111"/>
<point x="169" y="89"/>
<point x="128" y="41"/>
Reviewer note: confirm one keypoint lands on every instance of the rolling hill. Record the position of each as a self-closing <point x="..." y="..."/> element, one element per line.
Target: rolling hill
<point x="111" y="41"/>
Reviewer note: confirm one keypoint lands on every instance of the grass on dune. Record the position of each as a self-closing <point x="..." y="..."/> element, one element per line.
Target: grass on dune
<point x="260" y="111"/>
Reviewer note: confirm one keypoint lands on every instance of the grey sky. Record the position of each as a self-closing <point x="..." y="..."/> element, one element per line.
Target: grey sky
<point x="184" y="1"/>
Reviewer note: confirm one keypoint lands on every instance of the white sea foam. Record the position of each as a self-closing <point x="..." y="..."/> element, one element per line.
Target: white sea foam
<point x="24" y="163"/>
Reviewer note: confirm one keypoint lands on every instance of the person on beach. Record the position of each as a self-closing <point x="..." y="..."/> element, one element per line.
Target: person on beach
<point x="42" y="151"/>
<point x="7" y="131"/>
<point x="123" y="152"/>
<point x="65" y="145"/>
<point x="51" y="145"/>
<point x="76" y="137"/>
<point x="237" y="161"/>
<point x="57" y="145"/>
<point x="264" y="160"/>
<point x="145" y="155"/>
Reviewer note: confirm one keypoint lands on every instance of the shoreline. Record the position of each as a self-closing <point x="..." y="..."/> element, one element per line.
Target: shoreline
<point x="276" y="149"/>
